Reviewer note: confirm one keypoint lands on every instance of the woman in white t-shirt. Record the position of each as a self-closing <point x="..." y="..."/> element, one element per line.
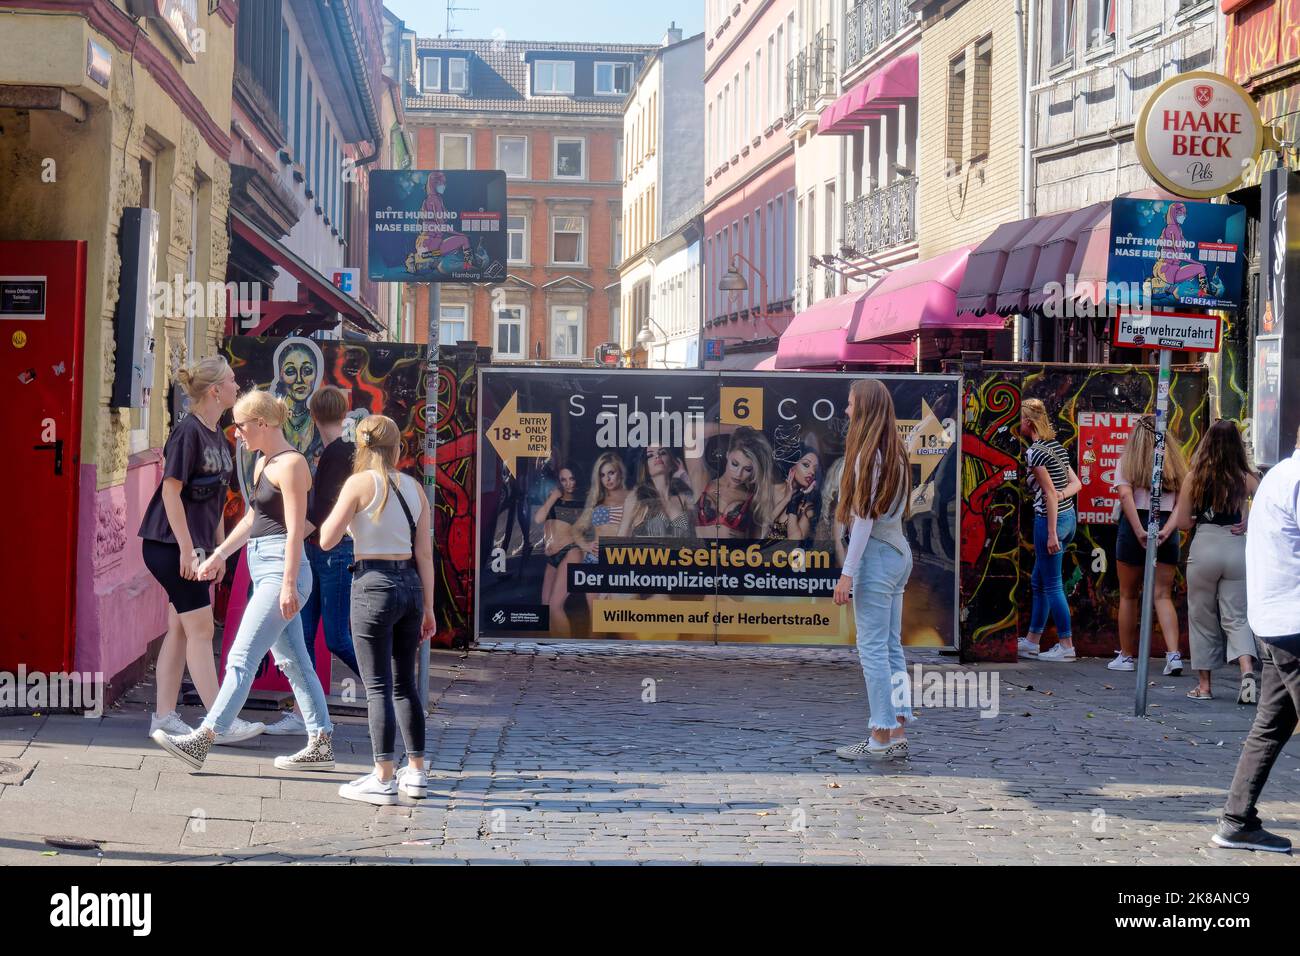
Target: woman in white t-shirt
<point x="1133" y="482"/>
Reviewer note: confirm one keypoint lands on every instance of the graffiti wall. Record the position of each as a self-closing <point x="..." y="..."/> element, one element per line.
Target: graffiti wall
<point x="997" y="525"/>
<point x="378" y="378"/>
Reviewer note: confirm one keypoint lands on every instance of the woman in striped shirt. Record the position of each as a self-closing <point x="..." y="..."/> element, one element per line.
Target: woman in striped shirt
<point x="1054" y="484"/>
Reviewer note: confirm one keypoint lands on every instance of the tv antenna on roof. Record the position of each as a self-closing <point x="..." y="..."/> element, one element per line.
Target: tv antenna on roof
<point x="452" y="8"/>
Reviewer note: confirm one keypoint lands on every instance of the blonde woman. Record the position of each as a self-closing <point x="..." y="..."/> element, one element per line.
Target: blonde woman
<point x="274" y="528"/>
<point x="181" y="526"/>
<point x="874" y="491"/>
<point x="1133" y="481"/>
<point x="392" y="604"/>
<point x="661" y="502"/>
<point x="1054" y="484"/>
<point x="738" y="503"/>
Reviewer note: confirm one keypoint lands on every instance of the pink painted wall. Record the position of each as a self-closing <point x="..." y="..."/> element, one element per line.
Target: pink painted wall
<point x="120" y="607"/>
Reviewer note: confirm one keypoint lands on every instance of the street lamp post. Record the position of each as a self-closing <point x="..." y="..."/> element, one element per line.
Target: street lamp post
<point x="733" y="281"/>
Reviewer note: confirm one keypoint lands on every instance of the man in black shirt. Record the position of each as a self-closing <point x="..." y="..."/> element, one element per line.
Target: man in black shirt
<point x="331" y="597"/>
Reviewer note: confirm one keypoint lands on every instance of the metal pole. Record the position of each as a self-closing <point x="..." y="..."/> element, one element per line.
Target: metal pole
<point x="430" y="464"/>
<point x="1153" y="532"/>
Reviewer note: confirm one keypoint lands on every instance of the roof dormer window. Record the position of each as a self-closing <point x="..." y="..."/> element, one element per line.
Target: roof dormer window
<point x="457" y="74"/>
<point x="553" y="78"/>
<point x="431" y="74"/>
<point x="613" y="79"/>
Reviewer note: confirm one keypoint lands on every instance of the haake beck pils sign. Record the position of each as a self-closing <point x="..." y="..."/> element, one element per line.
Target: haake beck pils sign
<point x="1198" y="135"/>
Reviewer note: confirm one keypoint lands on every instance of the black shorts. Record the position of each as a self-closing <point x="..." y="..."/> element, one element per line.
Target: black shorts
<point x="164" y="563"/>
<point x="557" y="558"/>
<point x="1129" y="550"/>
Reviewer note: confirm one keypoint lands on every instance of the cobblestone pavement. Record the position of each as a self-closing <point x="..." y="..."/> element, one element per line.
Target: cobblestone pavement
<point x="554" y="754"/>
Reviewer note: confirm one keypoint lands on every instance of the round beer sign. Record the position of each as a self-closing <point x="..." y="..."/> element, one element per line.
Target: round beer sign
<point x="1198" y="135"/>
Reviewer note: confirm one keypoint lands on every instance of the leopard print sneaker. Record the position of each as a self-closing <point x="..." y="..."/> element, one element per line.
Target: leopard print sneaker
<point x="317" y="755"/>
<point x="191" y="748"/>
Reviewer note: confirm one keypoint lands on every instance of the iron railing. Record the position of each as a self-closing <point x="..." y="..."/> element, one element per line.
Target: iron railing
<point x="870" y="24"/>
<point x="882" y="218"/>
<point x="810" y="76"/>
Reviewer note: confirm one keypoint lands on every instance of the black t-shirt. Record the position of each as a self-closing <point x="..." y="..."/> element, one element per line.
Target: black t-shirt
<point x="199" y="458"/>
<point x="332" y="471"/>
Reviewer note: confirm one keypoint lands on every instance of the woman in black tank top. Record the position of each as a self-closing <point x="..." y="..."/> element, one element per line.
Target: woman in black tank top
<point x="274" y="527"/>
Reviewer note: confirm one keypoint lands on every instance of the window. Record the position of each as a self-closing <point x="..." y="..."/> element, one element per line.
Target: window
<point x="566" y="332"/>
<point x="981" y="98"/>
<point x="517" y="239"/>
<point x="1101" y="23"/>
<point x="320" y="150"/>
<point x="710" y="151"/>
<point x="567" y="235"/>
<point x="453" y="325"/>
<point x="455" y="151"/>
<point x="613" y="79"/>
<point x="512" y="156"/>
<point x="616" y="249"/>
<point x="1062" y="31"/>
<point x="744" y="110"/>
<point x="569" y="158"/>
<point x="284" y="78"/>
<point x="758" y="91"/>
<point x="619" y="172"/>
<point x="956" y="110"/>
<point x="771" y="80"/>
<point x="457" y="74"/>
<point x="509" y="337"/>
<point x="782" y="58"/>
<point x="431" y="74"/>
<point x="553" y="78"/>
<point x="307" y="144"/>
<point x="138" y="439"/>
<point x="297" y="106"/>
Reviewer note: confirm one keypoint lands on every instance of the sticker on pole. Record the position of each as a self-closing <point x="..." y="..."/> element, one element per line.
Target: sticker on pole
<point x="1168" y="330"/>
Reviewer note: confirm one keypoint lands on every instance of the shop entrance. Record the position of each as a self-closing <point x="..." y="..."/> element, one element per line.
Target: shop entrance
<point x="42" y="296"/>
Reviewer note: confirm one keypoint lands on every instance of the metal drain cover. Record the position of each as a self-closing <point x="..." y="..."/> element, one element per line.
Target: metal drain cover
<point x="918" y="806"/>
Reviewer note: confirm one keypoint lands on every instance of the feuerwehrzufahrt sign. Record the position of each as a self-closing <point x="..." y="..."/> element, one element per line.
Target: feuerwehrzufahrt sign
<point x="1168" y="330"/>
<point x="1198" y="134"/>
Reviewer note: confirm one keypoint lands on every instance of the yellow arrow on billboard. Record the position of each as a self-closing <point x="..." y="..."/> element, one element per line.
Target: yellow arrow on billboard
<point x="926" y="439"/>
<point x="514" y="435"/>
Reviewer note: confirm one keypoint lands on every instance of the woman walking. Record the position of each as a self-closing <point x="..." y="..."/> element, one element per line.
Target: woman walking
<point x="1219" y="483"/>
<point x="1054" y="484"/>
<point x="392" y="604"/>
<point x="1133" y="480"/>
<point x="181" y="526"/>
<point x="874" y="492"/>
<point x="274" y="527"/>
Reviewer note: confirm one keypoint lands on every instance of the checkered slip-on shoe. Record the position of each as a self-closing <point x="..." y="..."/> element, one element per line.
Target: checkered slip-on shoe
<point x="869" y="750"/>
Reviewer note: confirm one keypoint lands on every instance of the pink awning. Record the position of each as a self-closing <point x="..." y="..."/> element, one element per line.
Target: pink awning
<point x="920" y="296"/>
<point x="880" y="91"/>
<point x="818" y="337"/>
<point x="767" y="365"/>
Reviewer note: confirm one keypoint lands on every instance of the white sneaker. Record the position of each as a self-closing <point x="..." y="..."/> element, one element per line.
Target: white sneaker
<point x="1174" y="664"/>
<point x="1122" y="662"/>
<point x="412" y="782"/>
<point x="239" y="731"/>
<point x="1059" y="652"/>
<point x="370" y="789"/>
<point x="170" y="724"/>
<point x="1027" y="648"/>
<point x="289" y="725"/>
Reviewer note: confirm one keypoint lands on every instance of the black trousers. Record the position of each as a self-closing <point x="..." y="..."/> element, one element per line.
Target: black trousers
<point x="1276" y="716"/>
<point x="387" y="609"/>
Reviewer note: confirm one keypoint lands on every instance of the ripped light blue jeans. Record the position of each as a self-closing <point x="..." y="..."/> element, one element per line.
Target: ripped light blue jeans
<point x="878" y="613"/>
<point x="263" y="628"/>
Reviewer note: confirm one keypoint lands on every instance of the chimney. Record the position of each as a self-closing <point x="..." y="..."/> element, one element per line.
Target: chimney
<point x="674" y="35"/>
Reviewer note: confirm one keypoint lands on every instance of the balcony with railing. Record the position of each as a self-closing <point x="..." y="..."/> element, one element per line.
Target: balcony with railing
<point x="882" y="218"/>
<point x="870" y="25"/>
<point x="810" y="81"/>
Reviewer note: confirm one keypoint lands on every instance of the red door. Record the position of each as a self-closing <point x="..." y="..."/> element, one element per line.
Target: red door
<point x="42" y="304"/>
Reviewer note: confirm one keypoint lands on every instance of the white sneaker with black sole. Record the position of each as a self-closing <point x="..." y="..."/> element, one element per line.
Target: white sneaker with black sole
<point x="1174" y="664"/>
<point x="413" y="783"/>
<point x="370" y="789"/>
<point x="1058" y="652"/>
<point x="1026" y="648"/>
<point x="170" y="724"/>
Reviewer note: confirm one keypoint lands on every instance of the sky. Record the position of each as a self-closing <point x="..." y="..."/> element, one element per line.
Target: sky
<point x="578" y="21"/>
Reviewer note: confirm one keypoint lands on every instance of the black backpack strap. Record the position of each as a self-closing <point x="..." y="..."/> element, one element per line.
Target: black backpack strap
<point x="406" y="510"/>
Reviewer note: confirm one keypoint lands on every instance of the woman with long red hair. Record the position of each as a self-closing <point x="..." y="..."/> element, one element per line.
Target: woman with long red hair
<point x="874" y="492"/>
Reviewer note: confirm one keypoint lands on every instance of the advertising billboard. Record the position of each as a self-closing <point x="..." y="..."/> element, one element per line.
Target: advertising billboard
<point x="437" y="226"/>
<point x="1168" y="253"/>
<point x="695" y="506"/>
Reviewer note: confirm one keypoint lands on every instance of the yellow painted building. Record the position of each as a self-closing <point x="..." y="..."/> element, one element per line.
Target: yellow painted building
<point x="102" y="110"/>
<point x="970" y="140"/>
